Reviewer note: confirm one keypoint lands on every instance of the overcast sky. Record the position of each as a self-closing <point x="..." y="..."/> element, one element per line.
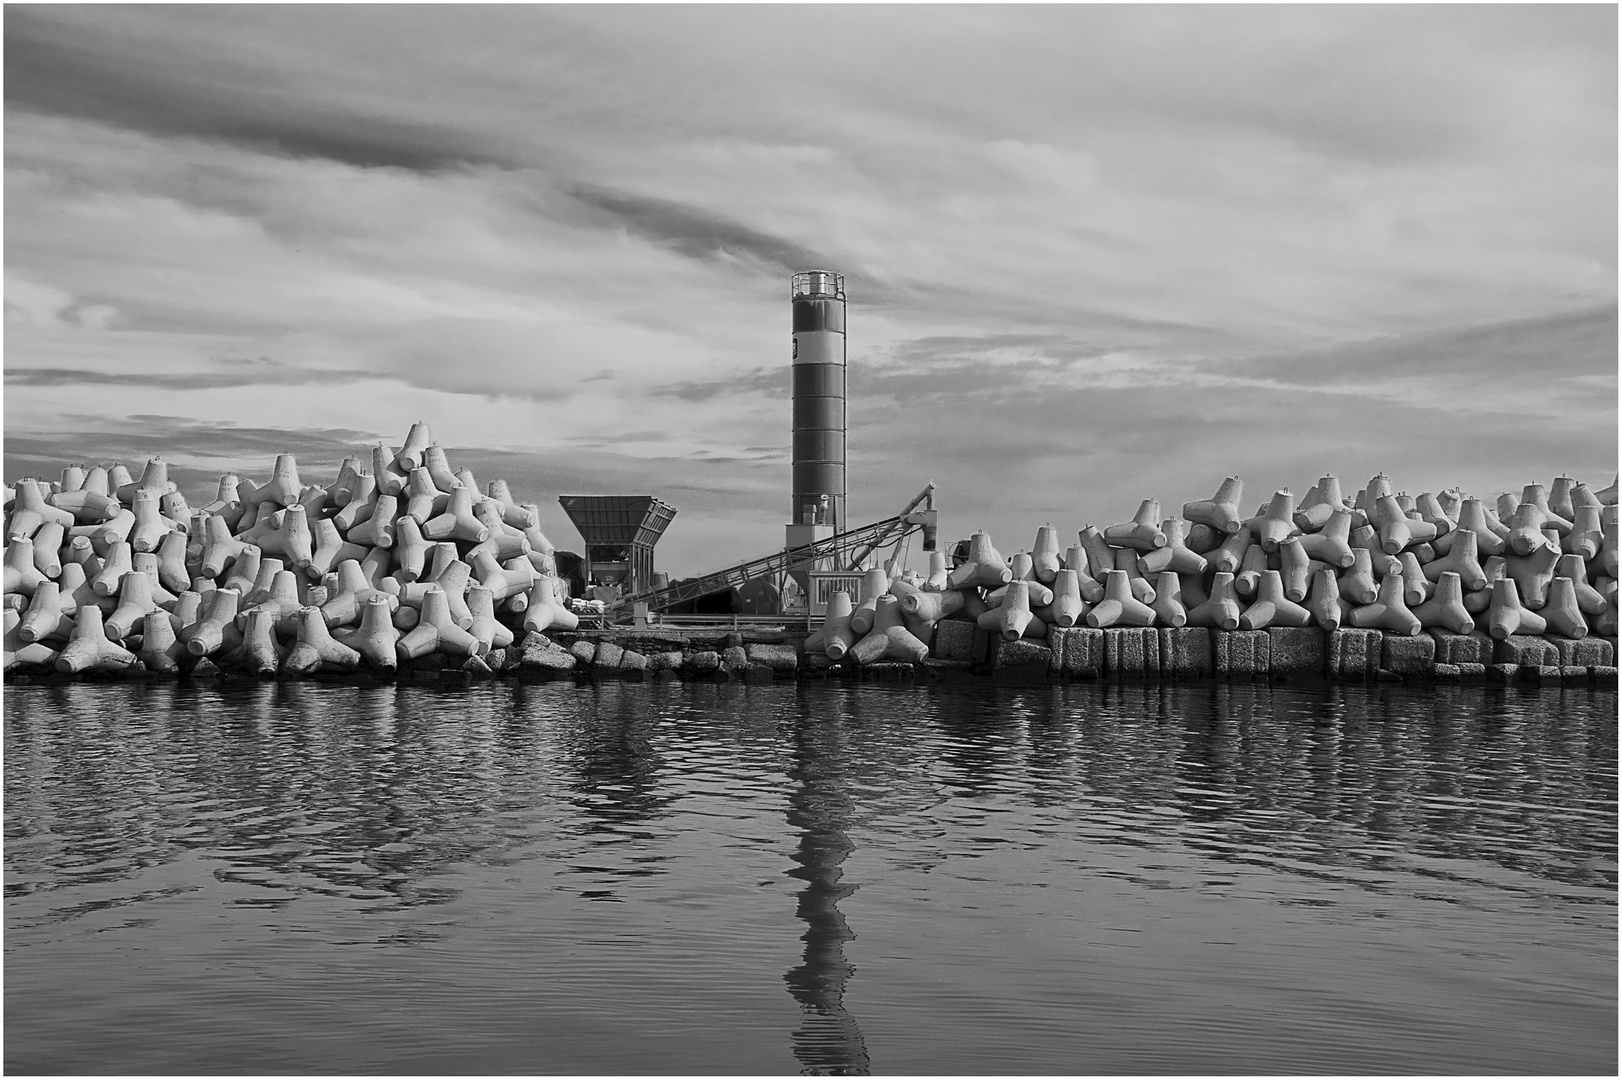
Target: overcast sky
<point x="1093" y="254"/>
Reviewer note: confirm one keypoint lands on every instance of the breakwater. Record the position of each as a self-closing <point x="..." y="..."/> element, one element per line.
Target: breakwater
<point x="409" y="568"/>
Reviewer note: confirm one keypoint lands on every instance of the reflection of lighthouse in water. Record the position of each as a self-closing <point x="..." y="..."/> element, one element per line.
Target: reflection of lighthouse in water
<point x="827" y="1042"/>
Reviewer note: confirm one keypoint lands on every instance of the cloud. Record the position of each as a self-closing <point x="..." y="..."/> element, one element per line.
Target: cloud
<point x="162" y="91"/>
<point x="1091" y="252"/>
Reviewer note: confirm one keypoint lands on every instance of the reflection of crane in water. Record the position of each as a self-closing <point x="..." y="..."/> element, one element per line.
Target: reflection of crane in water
<point x="827" y="1042"/>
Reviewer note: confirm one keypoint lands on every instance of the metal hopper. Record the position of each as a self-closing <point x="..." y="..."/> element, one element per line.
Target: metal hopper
<point x="619" y="531"/>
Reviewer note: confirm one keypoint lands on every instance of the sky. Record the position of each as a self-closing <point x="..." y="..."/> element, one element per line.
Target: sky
<point x="1093" y="254"/>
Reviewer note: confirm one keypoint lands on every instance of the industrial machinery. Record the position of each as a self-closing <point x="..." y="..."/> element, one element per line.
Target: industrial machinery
<point x="619" y="531"/>
<point x="842" y="556"/>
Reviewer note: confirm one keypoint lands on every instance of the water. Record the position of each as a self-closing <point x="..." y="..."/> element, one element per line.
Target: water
<point x="816" y="878"/>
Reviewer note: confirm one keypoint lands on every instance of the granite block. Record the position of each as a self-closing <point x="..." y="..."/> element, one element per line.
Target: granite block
<point x="1022" y="653"/>
<point x="704" y="661"/>
<point x="1081" y="651"/>
<point x="956" y="639"/>
<point x="633" y="662"/>
<point x="1588" y="652"/>
<point x="1185" y="652"/>
<point x="1354" y="654"/>
<point x="1448" y="673"/>
<point x="1242" y="654"/>
<point x="1131" y="652"/>
<point x="1297" y="650"/>
<point x="583" y="651"/>
<point x="1410" y="657"/>
<point x="607" y="657"/>
<point x="1603" y="677"/>
<point x="1472" y="672"/>
<point x="1472" y="648"/>
<point x="782" y="660"/>
<point x="734" y="659"/>
<point x="1526" y="651"/>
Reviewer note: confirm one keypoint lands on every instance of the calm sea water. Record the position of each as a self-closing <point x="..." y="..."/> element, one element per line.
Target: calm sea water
<point x="817" y="878"/>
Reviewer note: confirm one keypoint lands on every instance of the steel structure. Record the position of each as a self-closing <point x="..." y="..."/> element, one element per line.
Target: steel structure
<point x="847" y="550"/>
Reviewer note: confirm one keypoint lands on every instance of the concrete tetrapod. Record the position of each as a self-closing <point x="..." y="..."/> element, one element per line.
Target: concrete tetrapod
<point x="1561" y="613"/>
<point x="1142" y="533"/>
<point x="935" y="581"/>
<point x="31" y="510"/>
<point x="439" y="468"/>
<point x="1505" y="616"/>
<point x="1230" y="556"/>
<point x="18" y="652"/>
<point x="1067" y="608"/>
<point x="1168" y="605"/>
<point x="1589" y="599"/>
<point x="378" y="530"/>
<point x="1276" y="523"/>
<point x="1388" y="612"/>
<point x="1473" y="516"/>
<point x="1250" y="571"/>
<point x="160" y="649"/>
<point x="1295" y="569"/>
<point x="435" y="632"/>
<point x="48" y="540"/>
<point x="490" y="633"/>
<point x="888" y="638"/>
<point x="1126" y="561"/>
<point x="1119" y="607"/>
<point x="1461" y="559"/>
<point x="423" y="500"/>
<point x="361" y="505"/>
<point x="1586" y="535"/>
<point x="154" y="479"/>
<point x="316" y="650"/>
<point x="1534" y="494"/>
<point x="44" y="617"/>
<point x="1220" y="511"/>
<point x="291" y="539"/>
<point x="503" y="582"/>
<point x="1271" y="607"/>
<point x="1045" y="560"/>
<point x="1396" y="529"/>
<point x="330" y="549"/>
<point x="88" y="648"/>
<point x="1320" y="504"/>
<point x="21" y="575"/>
<point x="1358" y="584"/>
<point x="134" y="602"/>
<point x="1445" y="609"/>
<point x="1416" y="587"/>
<point x="1329" y="609"/>
<point x="1559" y="499"/>
<point x="1331" y="543"/>
<point x="171" y="556"/>
<point x="259" y="654"/>
<point x="985" y="567"/>
<point x="926" y="608"/>
<point x="280" y="602"/>
<point x="417" y="441"/>
<point x="875" y="583"/>
<point x="114" y="566"/>
<point x="1090" y="588"/>
<point x="1013" y="618"/>
<point x="150" y="526"/>
<point x="350" y="592"/>
<point x="283" y="488"/>
<point x="1221" y="608"/>
<point x="376" y="636"/>
<point x="1533" y="573"/>
<point x="519" y="517"/>
<point x="1175" y="556"/>
<point x="545" y="610"/>
<point x="1100" y="556"/>
<point x="454" y="578"/>
<point x="1431" y="512"/>
<point x="410" y="550"/>
<point x="390" y="477"/>
<point x="833" y="638"/>
<point x="1525" y="529"/>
